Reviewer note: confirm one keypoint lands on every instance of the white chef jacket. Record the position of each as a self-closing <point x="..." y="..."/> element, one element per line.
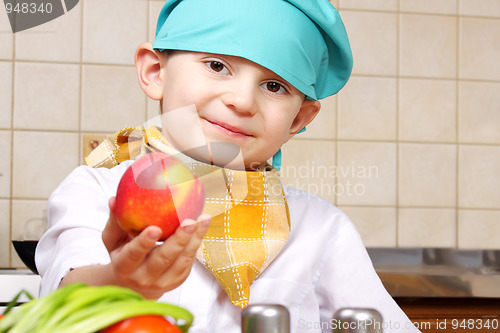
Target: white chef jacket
<point x="322" y="268"/>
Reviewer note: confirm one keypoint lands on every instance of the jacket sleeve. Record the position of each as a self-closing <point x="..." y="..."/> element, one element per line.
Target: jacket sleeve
<point x="77" y="213"/>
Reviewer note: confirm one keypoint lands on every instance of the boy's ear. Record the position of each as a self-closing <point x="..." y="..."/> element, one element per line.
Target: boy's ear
<point x="149" y="64"/>
<point x="306" y="114"/>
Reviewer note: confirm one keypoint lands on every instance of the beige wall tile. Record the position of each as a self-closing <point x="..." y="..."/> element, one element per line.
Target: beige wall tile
<point x="488" y="8"/>
<point x="22" y="212"/>
<point x="478" y="229"/>
<point x="428" y="46"/>
<point x="366" y="173"/>
<point x="479" y="177"/>
<point x="363" y="114"/>
<point x="429" y="6"/>
<point x="5" y="93"/>
<point x="373" y="38"/>
<point x="106" y="39"/>
<point x="427" y="110"/>
<point x="427" y="175"/>
<point x="377" y="225"/>
<point x="5" y="168"/>
<point x="6" y="36"/>
<point x="46" y="96"/>
<point x="479" y="112"/>
<point x="479" y="49"/>
<point x="109" y="105"/>
<point x="154" y="10"/>
<point x="57" y="40"/>
<point x="335" y="3"/>
<point x="309" y="165"/>
<point x="324" y="125"/>
<point x="4" y="233"/>
<point x="387" y="5"/>
<point x="41" y="160"/>
<point x="422" y="227"/>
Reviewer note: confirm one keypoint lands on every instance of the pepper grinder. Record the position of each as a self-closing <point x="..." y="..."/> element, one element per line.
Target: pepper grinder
<point x="265" y="318"/>
<point x="357" y="320"/>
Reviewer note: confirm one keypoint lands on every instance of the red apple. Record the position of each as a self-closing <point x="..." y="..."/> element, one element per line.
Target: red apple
<point x="160" y="190"/>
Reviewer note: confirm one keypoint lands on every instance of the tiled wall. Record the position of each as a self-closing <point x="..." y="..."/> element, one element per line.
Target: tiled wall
<point x="410" y="149"/>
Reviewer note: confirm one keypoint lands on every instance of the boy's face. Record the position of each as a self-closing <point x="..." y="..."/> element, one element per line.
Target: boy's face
<point x="236" y="100"/>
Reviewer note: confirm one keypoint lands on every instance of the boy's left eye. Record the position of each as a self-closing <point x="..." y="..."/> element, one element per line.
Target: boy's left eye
<point x="274" y="87"/>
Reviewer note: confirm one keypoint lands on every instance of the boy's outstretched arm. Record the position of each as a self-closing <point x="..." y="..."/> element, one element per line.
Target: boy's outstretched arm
<point x="139" y="263"/>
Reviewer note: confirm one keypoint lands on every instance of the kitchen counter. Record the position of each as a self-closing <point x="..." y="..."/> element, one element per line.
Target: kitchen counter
<point x="421" y="272"/>
<point x="12" y="281"/>
<point x="405" y="272"/>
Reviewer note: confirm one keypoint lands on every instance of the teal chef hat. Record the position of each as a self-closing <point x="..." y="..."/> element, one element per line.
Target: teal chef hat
<point x="303" y="41"/>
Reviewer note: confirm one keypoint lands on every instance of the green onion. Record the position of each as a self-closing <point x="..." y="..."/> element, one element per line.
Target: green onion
<point x="13" y="303"/>
<point x="27" y="316"/>
<point x="95" y="319"/>
<point x="87" y="297"/>
<point x="84" y="309"/>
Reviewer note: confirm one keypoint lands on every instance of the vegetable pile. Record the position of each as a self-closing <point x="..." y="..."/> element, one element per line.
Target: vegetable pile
<point x="84" y="309"/>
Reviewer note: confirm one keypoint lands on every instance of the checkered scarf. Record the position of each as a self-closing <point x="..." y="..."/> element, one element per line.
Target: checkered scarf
<point x="250" y="223"/>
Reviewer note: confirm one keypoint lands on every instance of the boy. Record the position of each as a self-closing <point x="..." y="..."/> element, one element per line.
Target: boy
<point x="242" y="74"/>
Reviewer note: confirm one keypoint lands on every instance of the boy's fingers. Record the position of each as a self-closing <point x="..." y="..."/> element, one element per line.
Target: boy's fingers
<point x="204" y="221"/>
<point x="134" y="252"/>
<point x="183" y="243"/>
<point x="113" y="235"/>
<point x="204" y="217"/>
<point x="189" y="252"/>
<point x="187" y="222"/>
<point x="183" y="261"/>
<point x="165" y="255"/>
<point x="174" y="277"/>
<point x="202" y="224"/>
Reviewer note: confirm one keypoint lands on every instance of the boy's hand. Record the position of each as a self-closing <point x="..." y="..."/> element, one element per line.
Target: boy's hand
<point x="151" y="269"/>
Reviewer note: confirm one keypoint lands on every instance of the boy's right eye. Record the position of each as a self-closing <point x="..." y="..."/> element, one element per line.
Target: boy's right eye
<point x="216" y="66"/>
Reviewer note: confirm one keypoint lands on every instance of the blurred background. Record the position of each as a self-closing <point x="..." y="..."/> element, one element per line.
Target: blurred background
<point x="409" y="149"/>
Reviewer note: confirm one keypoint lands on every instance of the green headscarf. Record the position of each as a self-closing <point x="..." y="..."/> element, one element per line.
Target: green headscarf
<point x="303" y="41"/>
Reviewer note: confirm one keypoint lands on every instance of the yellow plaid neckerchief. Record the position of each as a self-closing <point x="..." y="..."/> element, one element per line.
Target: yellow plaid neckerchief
<point x="250" y="223"/>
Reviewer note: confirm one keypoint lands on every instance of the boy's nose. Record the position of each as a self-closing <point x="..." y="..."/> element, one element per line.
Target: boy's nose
<point x="241" y="98"/>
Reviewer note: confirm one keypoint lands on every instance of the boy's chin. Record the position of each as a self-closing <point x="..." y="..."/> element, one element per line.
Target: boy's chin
<point x="222" y="154"/>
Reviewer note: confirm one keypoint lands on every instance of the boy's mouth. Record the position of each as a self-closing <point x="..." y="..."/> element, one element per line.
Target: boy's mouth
<point x="228" y="129"/>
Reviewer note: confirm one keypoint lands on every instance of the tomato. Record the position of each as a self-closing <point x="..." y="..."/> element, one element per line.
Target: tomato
<point x="143" y="324"/>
